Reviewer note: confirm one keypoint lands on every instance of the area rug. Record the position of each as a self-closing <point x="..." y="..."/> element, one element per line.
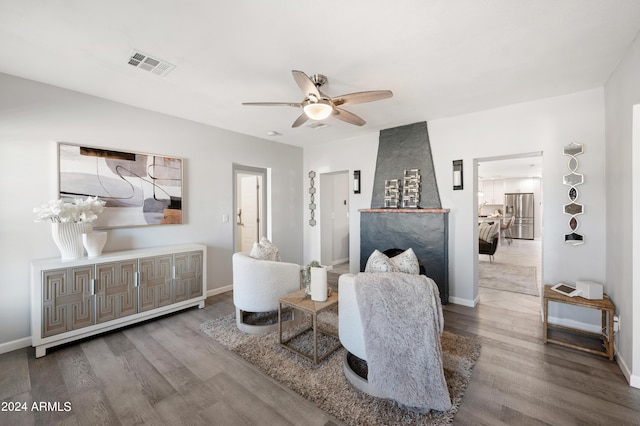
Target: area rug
<point x="515" y="278"/>
<point x="325" y="384"/>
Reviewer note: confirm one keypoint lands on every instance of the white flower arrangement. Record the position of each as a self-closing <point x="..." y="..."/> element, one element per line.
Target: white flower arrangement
<point x="59" y="211"/>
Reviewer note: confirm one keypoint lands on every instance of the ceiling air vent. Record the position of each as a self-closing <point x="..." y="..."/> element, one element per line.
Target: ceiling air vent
<point x="148" y="63"/>
<point x="317" y="125"/>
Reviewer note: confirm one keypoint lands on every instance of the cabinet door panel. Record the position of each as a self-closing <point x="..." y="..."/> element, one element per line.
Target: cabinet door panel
<point x="155" y="282"/>
<point x="188" y="283"/>
<point x="67" y="302"/>
<point x="116" y="294"/>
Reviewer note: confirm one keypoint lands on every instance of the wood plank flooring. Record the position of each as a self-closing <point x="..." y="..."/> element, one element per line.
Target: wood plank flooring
<point x="519" y="252"/>
<point x="166" y="371"/>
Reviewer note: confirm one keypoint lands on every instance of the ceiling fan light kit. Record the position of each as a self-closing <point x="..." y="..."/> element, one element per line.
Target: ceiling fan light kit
<point x="318" y="106"/>
<point x="317" y="110"/>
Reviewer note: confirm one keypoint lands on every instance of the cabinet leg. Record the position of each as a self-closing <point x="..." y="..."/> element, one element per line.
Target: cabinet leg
<point x="546" y="319"/>
<point x="40" y="351"/>
<point x="610" y="345"/>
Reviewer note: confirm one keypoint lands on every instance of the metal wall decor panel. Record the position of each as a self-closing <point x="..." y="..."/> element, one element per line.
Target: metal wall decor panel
<point x="188" y="279"/>
<point x="116" y="293"/>
<point x="67" y="300"/>
<point x="156" y="280"/>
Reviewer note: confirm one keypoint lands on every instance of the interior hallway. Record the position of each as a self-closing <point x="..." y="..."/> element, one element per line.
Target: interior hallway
<point x="519" y="252"/>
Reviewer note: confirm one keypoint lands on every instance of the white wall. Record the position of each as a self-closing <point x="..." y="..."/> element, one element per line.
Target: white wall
<point x="34" y="116"/>
<point x="545" y="125"/>
<point x="350" y="154"/>
<point x="622" y="92"/>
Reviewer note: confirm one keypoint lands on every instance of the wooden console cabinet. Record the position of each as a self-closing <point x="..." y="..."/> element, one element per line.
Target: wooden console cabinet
<point x="606" y="335"/>
<point x="74" y="299"/>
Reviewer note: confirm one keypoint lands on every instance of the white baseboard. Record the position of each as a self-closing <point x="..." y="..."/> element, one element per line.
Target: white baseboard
<point x="464" y="302"/>
<point x="219" y="290"/>
<point x="634" y="381"/>
<point x="592" y="328"/>
<point x="625" y="370"/>
<point x="25" y="342"/>
<point x="339" y="261"/>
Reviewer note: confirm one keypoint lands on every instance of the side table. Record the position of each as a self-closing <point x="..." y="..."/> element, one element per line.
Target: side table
<point x="605" y="305"/>
<point x="300" y="301"/>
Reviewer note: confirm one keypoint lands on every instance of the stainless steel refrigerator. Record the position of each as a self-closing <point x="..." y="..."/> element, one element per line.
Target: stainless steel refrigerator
<point x="521" y="206"/>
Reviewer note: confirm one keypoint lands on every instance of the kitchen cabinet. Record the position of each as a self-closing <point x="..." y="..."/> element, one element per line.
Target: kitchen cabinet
<point x="498" y="192"/>
<point x="521" y="185"/>
<point x="80" y="298"/>
<point x="493" y="192"/>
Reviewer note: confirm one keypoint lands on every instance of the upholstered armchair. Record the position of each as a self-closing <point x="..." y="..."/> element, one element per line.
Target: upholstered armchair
<point x="488" y="238"/>
<point x="488" y="248"/>
<point x="369" y="330"/>
<point x="257" y="286"/>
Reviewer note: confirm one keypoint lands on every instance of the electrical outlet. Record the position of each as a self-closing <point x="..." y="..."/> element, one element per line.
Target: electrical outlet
<point x="616" y="323"/>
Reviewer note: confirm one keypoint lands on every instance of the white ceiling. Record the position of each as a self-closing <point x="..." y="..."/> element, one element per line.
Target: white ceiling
<point x="510" y="168"/>
<point x="440" y="58"/>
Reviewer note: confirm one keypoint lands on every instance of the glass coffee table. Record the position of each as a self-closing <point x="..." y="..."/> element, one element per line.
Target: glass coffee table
<point x="302" y="302"/>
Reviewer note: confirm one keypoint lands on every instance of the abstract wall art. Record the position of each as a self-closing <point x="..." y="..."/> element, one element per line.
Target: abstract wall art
<point x="139" y="189"/>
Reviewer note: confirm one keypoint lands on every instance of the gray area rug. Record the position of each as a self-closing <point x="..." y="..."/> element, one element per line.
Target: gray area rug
<point x="514" y="278"/>
<point x="325" y="384"/>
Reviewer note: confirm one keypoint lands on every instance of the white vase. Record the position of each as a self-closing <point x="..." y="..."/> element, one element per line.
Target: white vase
<point x="94" y="242"/>
<point x="68" y="238"/>
<point x="319" y="284"/>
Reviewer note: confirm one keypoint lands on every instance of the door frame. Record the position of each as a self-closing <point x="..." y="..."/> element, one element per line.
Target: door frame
<point x="240" y="169"/>
<point x="326" y="193"/>
<point x="476" y="181"/>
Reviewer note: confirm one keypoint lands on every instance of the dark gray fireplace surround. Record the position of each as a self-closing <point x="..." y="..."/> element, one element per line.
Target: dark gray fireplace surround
<point x="425" y="230"/>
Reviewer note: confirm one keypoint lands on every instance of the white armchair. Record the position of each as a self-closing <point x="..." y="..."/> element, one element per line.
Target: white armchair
<point x="419" y="355"/>
<point x="257" y="286"/>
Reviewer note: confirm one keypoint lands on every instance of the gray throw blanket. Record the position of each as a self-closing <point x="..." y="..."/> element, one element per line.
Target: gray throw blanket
<point x="402" y="320"/>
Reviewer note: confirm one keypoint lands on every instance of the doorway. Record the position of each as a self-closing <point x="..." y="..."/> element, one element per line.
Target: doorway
<point x="334" y="218"/>
<point x="512" y="279"/>
<point x="249" y="205"/>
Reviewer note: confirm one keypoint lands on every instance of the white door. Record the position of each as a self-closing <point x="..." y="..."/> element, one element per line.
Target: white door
<point x="248" y="212"/>
<point x="334" y="218"/>
<point x="340" y="229"/>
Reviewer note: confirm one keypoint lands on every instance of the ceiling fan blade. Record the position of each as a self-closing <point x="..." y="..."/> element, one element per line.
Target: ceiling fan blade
<point x="291" y="104"/>
<point x="305" y="83"/>
<point x="362" y="97"/>
<point x="300" y="120"/>
<point x="348" y="117"/>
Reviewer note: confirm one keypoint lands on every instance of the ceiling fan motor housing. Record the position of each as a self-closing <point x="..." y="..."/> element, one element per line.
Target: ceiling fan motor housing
<point x="319" y="80"/>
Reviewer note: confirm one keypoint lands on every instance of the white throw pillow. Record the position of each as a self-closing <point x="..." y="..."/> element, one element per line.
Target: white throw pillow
<point x="379" y="262"/>
<point x="265" y="250"/>
<point x="487" y="231"/>
<point x="269" y="245"/>
<point x="406" y="262"/>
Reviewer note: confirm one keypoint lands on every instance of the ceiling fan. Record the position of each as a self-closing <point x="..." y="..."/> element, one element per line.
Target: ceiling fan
<point x="318" y="106"/>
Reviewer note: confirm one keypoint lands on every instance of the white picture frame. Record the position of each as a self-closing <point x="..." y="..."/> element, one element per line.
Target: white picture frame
<point x="566" y="289"/>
